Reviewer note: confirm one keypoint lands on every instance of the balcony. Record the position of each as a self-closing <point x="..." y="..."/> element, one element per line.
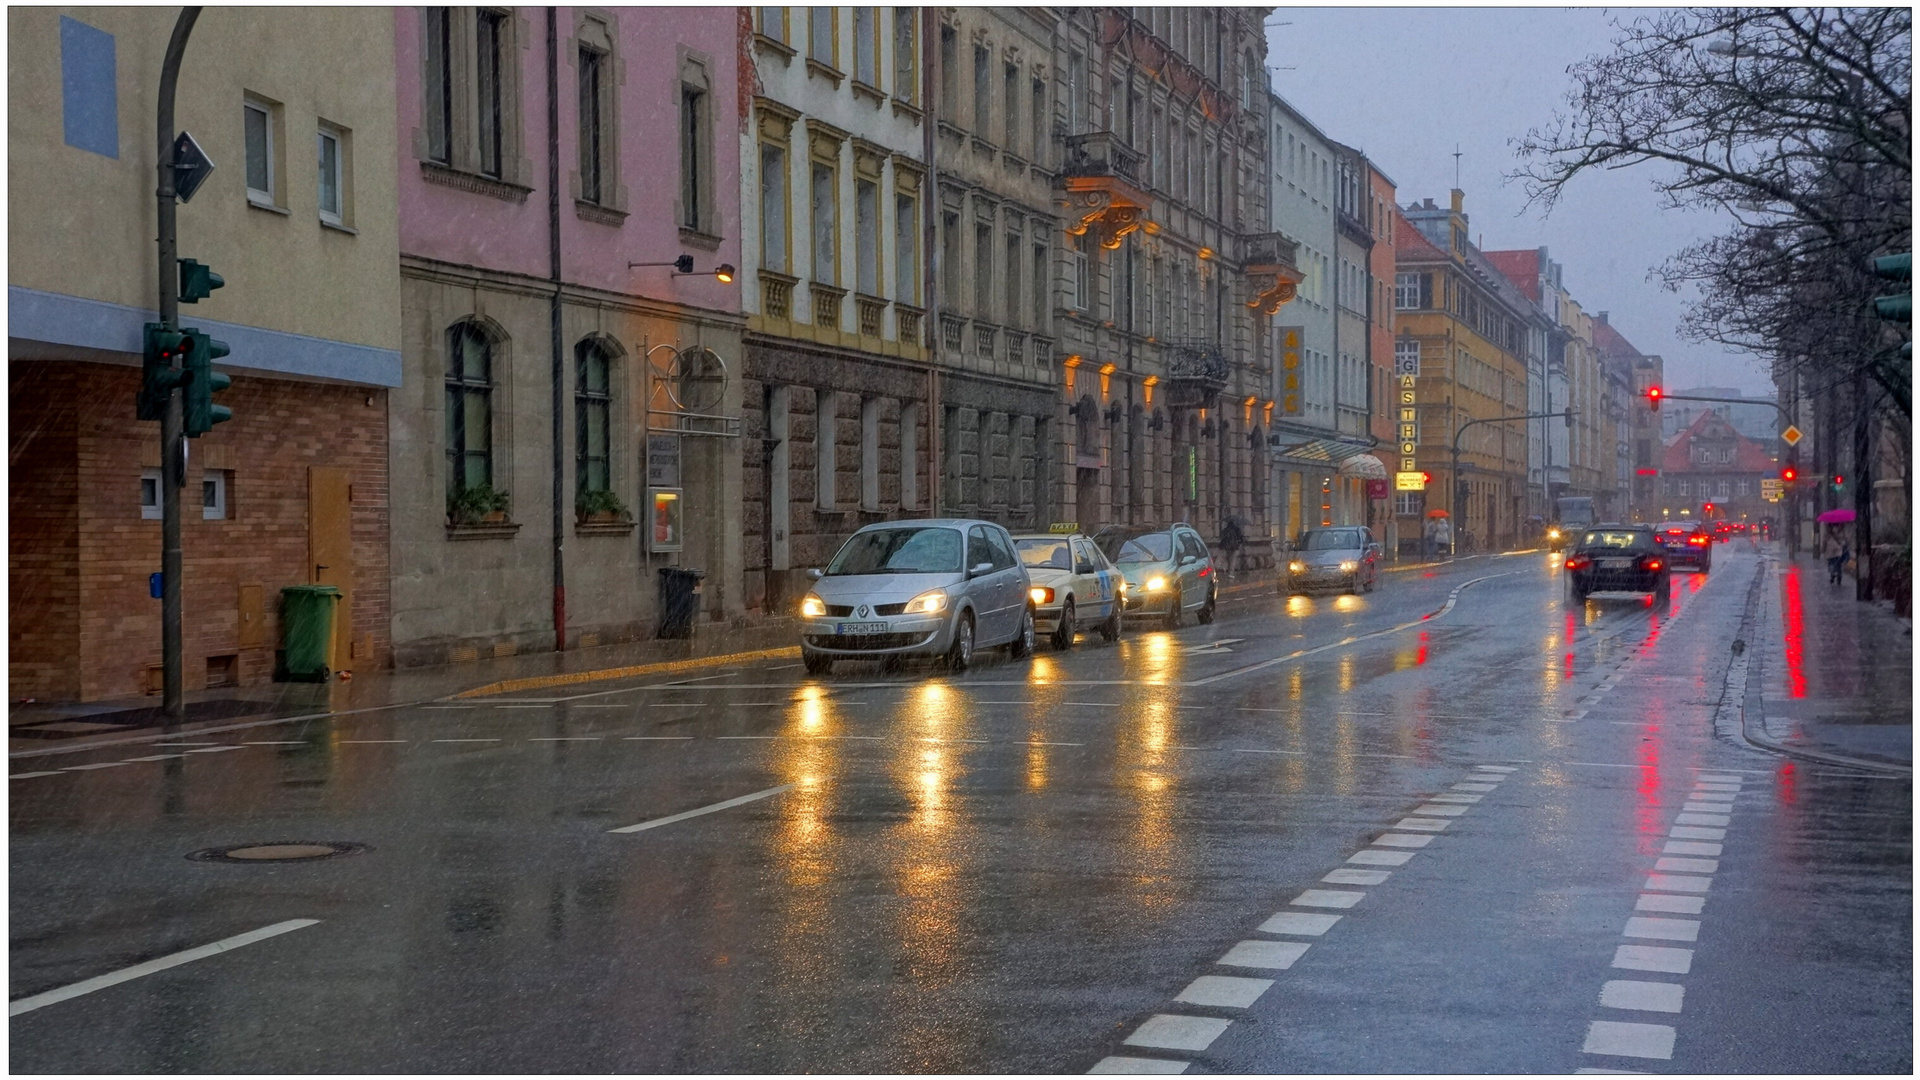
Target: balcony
<point x="826" y="304"/>
<point x="1104" y="190"/>
<point x="1196" y="373"/>
<point x="983" y="339"/>
<point x="1016" y="348"/>
<point x="952" y="330"/>
<point x="907" y="324"/>
<point x="1272" y="271"/>
<point x="776" y="294"/>
<point x="871" y="310"/>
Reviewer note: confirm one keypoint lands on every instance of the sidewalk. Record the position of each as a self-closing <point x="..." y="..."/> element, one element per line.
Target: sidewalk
<point x="1839" y="673"/>
<point x="42" y="727"/>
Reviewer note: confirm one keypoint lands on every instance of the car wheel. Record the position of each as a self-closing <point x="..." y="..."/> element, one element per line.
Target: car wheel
<point x="1021" y="646"/>
<point x="1110" y="630"/>
<point x="960" y="653"/>
<point x="1063" y="634"/>
<point x="1353" y="584"/>
<point x="816" y="664"/>
<point x="1176" y="613"/>
<point x="1205" y="615"/>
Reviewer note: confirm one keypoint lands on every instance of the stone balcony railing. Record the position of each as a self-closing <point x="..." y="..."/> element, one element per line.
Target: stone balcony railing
<point x="907" y="324"/>
<point x="872" y="311"/>
<point x="826" y="304"/>
<point x="776" y="294"/>
<point x="1102" y="153"/>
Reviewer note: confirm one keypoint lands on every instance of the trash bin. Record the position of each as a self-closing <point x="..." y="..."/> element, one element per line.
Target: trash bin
<point x="306" y="621"/>
<point x="679" y="600"/>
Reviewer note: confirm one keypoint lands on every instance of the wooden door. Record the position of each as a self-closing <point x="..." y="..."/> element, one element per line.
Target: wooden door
<point x="330" y="550"/>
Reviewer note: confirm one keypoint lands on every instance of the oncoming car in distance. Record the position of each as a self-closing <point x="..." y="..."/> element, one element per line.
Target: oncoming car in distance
<point x="1343" y="556"/>
<point x="1070" y="584"/>
<point x="1619" y="558"/>
<point x="922" y="588"/>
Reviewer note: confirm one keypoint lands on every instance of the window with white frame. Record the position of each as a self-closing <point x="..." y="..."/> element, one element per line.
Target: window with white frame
<point x="906" y="249"/>
<point x="150" y="494"/>
<point x="260" y="119"/>
<point x="826" y="228"/>
<point x="213" y="495"/>
<point x="333" y="175"/>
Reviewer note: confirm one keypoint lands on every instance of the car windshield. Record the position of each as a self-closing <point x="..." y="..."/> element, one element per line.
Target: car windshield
<point x="899" y="551"/>
<point x="1331" y="539"/>
<point x="1046" y="554"/>
<point x="1625" y="539"/>
<point x="1153" y="547"/>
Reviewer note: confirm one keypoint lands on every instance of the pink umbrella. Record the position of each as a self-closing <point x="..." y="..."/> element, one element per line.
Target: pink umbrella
<point x="1834" y="517"/>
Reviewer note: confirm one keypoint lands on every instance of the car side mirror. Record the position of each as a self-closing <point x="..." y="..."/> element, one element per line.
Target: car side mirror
<point x="1188" y="560"/>
<point x="816" y="574"/>
<point x="980" y="568"/>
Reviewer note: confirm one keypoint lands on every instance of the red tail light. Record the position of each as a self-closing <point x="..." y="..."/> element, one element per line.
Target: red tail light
<point x="1575" y="562"/>
<point x="1698" y="541"/>
<point x="1650" y="563"/>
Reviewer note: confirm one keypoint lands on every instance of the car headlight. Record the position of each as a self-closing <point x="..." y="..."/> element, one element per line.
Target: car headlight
<point x="1297" y="566"/>
<point x="929" y="601"/>
<point x="1120" y="585"/>
<point x="1040" y="595"/>
<point x="1553" y="534"/>
<point x="1155" y="584"/>
<point x="812" y="606"/>
<point x="1349" y="566"/>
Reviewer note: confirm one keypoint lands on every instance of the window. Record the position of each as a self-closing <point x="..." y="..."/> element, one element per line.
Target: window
<point x="1409" y="503"/>
<point x="1014" y="246"/>
<point x="490" y="29"/>
<point x="1686" y="487"/>
<point x="906" y="54"/>
<point x="948" y="268"/>
<point x="697" y="210"/>
<point x="982" y="90"/>
<point x="150" y="495"/>
<point x="906" y="250"/>
<point x="1077" y="267"/>
<point x="820" y="35"/>
<point x="982" y="270"/>
<point x="1012" y="105"/>
<point x="259" y="118"/>
<point x="866" y="228"/>
<point x="89" y="90"/>
<point x="1726" y="489"/>
<point x="332" y="197"/>
<point x="1076" y="94"/>
<point x="593" y="422"/>
<point x="978" y="550"/>
<point x="592" y="71"/>
<point x="773" y="208"/>
<point x="1411" y="292"/>
<point x="866" y="45"/>
<point x="773" y="23"/>
<point x="1041" y="289"/>
<point x="1743" y="488"/>
<point x="825" y="226"/>
<point x="1039" y="118"/>
<point x="1149" y="305"/>
<point x="437" y="97"/>
<point x="469" y="408"/>
<point x="213" y="495"/>
<point x="870" y="453"/>
<point x="949" y="75"/>
<point x="825" y="462"/>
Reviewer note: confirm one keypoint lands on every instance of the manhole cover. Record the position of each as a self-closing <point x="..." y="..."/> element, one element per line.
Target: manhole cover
<point x="279" y="851"/>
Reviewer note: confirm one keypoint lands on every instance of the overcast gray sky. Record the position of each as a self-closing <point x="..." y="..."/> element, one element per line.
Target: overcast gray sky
<point x="1407" y="84"/>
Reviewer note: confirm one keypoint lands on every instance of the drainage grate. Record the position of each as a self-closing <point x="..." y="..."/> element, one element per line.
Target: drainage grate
<point x="280" y="851"/>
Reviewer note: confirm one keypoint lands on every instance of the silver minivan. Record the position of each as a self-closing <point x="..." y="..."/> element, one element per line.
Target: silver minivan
<point x="940" y="587"/>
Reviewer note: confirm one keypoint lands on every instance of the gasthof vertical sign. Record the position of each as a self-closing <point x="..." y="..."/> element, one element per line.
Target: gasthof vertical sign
<point x="1406" y="368"/>
<point x="1290" y="404"/>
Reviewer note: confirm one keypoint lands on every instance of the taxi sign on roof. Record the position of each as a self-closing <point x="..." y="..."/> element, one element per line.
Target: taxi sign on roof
<point x="1064" y="527"/>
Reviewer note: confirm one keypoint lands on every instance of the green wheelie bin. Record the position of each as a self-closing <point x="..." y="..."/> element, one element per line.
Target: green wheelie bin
<point x="306" y="620"/>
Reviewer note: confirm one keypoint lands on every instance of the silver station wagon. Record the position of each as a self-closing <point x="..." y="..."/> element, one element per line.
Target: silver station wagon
<point x="943" y="587"/>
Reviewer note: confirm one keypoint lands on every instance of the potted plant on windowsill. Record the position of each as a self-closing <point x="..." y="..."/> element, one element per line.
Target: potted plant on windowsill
<point x="600" y="508"/>
<point x="479" y="504"/>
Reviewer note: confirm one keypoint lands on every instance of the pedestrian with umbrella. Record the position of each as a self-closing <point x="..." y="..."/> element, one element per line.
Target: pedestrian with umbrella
<point x="1835" y="547"/>
<point x="1233" y="537"/>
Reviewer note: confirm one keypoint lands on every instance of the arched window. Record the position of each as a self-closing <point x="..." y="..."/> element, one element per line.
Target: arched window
<point x="592" y="417"/>
<point x="469" y="407"/>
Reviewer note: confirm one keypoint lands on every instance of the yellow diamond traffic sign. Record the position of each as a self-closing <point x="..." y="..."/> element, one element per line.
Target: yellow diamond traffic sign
<point x="1791" y="436"/>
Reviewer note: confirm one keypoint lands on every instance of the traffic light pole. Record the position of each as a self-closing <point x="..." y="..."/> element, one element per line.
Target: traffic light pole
<point x="1453" y="473"/>
<point x="173" y="452"/>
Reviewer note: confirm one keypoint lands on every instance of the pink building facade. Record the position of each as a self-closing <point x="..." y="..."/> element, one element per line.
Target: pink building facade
<point x="561" y="435"/>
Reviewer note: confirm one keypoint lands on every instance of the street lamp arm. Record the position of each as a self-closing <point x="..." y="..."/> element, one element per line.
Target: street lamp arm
<point x="1503" y="419"/>
<point x="1727" y="400"/>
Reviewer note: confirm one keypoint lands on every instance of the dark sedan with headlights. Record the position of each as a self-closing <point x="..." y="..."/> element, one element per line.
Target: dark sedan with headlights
<point x="1619" y="558"/>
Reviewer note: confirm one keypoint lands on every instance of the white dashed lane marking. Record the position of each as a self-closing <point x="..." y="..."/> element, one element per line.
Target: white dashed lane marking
<point x="1643" y="996"/>
<point x="1224" y="991"/>
<point x="1630" y="1040"/>
<point x="1270" y="955"/>
<point x="1299" y="923"/>
<point x="1169" y="1032"/>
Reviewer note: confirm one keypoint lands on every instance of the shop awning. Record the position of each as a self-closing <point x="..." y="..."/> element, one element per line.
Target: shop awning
<point x="1364" y="466"/>
<point x="1320" y="451"/>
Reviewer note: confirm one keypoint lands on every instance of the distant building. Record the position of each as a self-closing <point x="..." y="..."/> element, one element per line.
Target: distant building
<point x="1759" y="422"/>
<point x="1629" y="373"/>
<point x="1711" y="470"/>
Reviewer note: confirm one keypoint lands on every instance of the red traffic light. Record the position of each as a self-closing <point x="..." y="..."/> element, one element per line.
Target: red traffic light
<point x="1789" y="475"/>
<point x="1653" y="398"/>
<point x="1839" y="481"/>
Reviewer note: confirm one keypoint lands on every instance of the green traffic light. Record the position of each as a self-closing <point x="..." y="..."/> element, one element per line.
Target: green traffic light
<point x="203" y="382"/>
<point x="197" y="281"/>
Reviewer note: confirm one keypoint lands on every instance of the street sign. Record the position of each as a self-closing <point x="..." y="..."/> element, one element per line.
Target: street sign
<point x="1376" y="489"/>
<point x="1771" y="486"/>
<point x="1791" y="436"/>
<point x="191" y="166"/>
<point x="1410" y="481"/>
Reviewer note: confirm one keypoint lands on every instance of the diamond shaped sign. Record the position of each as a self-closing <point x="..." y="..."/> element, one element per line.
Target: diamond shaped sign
<point x="1791" y="436"/>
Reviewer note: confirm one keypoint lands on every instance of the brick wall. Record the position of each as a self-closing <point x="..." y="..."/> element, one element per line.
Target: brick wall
<point x="43" y="578"/>
<point x="280" y="429"/>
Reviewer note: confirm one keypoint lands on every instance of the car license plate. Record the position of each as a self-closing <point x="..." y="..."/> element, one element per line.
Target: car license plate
<point x="1615" y="564"/>
<point x="861" y="628"/>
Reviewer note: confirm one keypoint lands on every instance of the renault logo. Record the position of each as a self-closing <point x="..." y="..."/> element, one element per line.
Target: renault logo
<point x="862" y="612"/>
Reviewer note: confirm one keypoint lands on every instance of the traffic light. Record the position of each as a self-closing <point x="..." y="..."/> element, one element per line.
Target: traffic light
<point x="203" y="382"/>
<point x="1569" y="417"/>
<point x="160" y="349"/>
<point x="197" y="281"/>
<point x="1653" y="398"/>
<point x="1788" y="475"/>
<point x="1839" y="482"/>
<point x="1899" y="307"/>
<point x="1706" y="510"/>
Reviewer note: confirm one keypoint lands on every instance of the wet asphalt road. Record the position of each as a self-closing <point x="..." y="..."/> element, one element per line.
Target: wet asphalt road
<point x="1019" y="869"/>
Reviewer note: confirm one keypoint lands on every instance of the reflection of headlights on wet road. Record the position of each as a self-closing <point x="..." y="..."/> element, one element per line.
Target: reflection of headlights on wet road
<point x="934" y="600"/>
<point x="1349" y="567"/>
<point x="1296" y="566"/>
<point x="813" y="606"/>
<point x="1155" y="584"/>
<point x="1041" y="596"/>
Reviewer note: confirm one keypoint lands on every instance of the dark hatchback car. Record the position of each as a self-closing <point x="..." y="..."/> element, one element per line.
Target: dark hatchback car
<point x="1619" y="558"/>
<point x="1686" y="542"/>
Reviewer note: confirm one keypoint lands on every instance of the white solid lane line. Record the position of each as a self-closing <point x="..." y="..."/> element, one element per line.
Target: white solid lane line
<point x="101" y="982"/>
<point x="30" y="775"/>
<point x="684" y="815"/>
<point x="1118" y="1064"/>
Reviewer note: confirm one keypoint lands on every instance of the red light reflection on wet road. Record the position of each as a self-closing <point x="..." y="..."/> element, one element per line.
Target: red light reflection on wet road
<point x="1795" y="635"/>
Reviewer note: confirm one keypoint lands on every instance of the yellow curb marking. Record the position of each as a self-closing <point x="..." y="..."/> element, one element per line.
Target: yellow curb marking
<point x="541" y="682"/>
